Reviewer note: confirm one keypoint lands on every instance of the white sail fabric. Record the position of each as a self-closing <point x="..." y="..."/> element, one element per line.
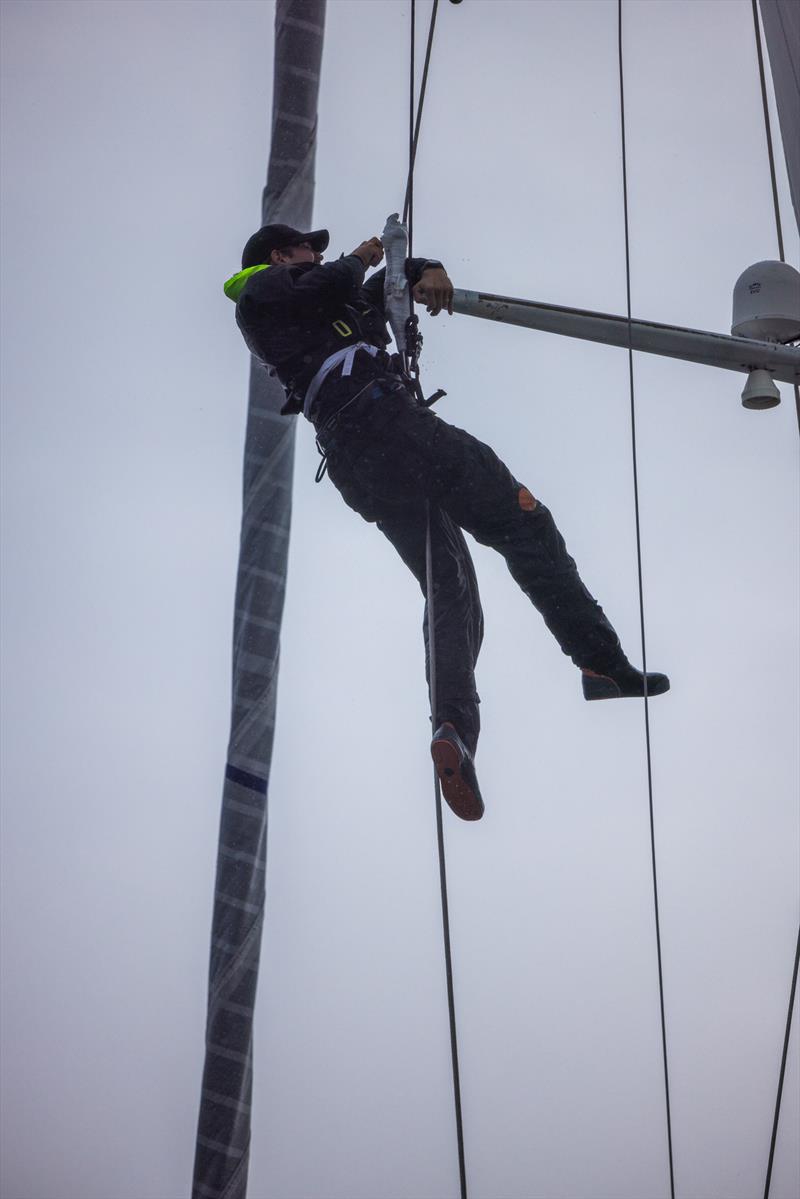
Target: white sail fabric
<point x="223" y="1136"/>
<point x="781" y="20"/>
<point x="396" y="299"/>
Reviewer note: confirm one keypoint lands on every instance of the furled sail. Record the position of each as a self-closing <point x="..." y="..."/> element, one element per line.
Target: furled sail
<point x="223" y="1137"/>
<point x="396" y="298"/>
<point x="781" y="21"/>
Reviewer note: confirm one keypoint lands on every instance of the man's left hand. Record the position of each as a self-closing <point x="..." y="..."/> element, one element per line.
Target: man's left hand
<point x="435" y="290"/>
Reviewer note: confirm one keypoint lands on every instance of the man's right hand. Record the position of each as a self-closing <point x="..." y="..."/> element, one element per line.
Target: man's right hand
<point x="370" y="252"/>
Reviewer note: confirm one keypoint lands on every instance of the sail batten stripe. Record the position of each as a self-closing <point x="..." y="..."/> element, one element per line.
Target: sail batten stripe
<point x="292" y="118"/>
<point x="306" y="26"/>
<point x="240" y="855"/>
<point x="233" y="902"/>
<point x="220" y="1147"/>
<point x="232" y="1054"/>
<point x="226" y="1101"/>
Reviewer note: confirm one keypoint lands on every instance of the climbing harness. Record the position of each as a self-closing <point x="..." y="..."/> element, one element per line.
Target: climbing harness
<point x="344" y="357"/>
<point x="332" y="422"/>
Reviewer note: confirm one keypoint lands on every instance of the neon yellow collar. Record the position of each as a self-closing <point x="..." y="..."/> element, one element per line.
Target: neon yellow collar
<point x="233" y="286"/>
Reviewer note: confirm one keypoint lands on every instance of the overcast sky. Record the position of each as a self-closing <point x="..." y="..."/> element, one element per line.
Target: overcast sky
<point x="135" y="139"/>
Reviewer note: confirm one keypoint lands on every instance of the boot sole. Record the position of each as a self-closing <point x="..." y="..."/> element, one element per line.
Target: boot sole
<point x="457" y="792"/>
<point x="601" y="687"/>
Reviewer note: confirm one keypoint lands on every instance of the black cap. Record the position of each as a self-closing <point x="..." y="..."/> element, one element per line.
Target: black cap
<point x="277" y="237"/>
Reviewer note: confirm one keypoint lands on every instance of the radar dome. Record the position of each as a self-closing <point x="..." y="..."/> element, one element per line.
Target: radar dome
<point x="766" y="302"/>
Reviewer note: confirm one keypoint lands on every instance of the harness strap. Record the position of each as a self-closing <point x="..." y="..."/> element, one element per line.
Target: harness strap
<point x="330" y="424"/>
<point x="345" y="356"/>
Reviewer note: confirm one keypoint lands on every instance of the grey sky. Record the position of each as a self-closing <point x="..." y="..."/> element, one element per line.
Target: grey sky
<point x="135" y="138"/>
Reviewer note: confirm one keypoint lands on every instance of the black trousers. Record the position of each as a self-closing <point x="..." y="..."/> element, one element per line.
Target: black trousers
<point x="394" y="460"/>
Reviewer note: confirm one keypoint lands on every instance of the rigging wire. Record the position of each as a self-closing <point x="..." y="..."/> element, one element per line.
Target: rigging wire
<point x="414" y="125"/>
<point x="771" y="156"/>
<point x="790" y="1013"/>
<point x="774" y="1136"/>
<point x="431" y="613"/>
<point x="413" y="130"/>
<point x="770" y="149"/>
<point x="641" y="600"/>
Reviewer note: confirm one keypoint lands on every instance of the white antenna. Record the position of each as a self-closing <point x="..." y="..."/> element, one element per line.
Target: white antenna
<point x="766" y="305"/>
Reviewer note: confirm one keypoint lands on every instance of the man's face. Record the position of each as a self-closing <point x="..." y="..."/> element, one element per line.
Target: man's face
<point x="292" y="255"/>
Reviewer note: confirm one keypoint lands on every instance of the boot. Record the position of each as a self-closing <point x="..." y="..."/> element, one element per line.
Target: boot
<point x="456" y="772"/>
<point x="622" y="681"/>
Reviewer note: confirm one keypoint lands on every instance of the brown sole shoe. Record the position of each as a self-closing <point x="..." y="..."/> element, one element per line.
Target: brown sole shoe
<point x="456" y="773"/>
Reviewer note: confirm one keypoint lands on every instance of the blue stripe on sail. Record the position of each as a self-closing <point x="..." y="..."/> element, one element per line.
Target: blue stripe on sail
<point x="246" y="780"/>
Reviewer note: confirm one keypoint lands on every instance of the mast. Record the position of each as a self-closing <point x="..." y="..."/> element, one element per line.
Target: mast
<point x="223" y="1137"/>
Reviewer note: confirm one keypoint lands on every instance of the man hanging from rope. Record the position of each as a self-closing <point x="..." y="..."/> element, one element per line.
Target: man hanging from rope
<point x="322" y="330"/>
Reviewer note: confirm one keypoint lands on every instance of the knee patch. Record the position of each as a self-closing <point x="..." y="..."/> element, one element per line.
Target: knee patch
<point x="526" y="501"/>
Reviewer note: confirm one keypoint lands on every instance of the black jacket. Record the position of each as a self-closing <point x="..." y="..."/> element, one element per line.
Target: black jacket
<point x="293" y="317"/>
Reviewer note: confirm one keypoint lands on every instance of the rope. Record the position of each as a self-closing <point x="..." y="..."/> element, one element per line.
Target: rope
<point x="774" y="1137"/>
<point x="771" y="156"/>
<point x="413" y="131"/>
<point x="442" y="866"/>
<point x="408" y="213"/>
<point x="641" y="602"/>
<point x="779" y="231"/>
